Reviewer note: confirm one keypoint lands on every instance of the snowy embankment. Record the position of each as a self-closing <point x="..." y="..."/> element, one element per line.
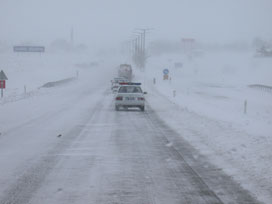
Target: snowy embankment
<point x="33" y="124"/>
<point x="25" y="99"/>
<point x="205" y="102"/>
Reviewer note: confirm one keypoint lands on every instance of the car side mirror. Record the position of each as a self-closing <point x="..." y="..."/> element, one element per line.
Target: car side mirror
<point x="145" y="92"/>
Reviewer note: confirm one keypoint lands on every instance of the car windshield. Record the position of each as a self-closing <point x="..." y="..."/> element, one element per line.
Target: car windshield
<point x="130" y="89"/>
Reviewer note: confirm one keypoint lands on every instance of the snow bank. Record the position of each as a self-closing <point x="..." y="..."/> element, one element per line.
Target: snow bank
<point x="205" y="102"/>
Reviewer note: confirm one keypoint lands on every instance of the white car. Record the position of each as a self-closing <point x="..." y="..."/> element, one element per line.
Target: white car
<point x="130" y="95"/>
<point x="115" y="83"/>
<point x="115" y="87"/>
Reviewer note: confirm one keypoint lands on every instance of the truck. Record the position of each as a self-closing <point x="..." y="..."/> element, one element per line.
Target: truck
<point x="125" y="71"/>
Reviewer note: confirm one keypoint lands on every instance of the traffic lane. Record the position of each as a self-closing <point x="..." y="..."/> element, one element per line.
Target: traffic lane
<point x="116" y="157"/>
<point x="222" y="185"/>
<point x="120" y="157"/>
<point x="156" y="167"/>
<point x="82" y="168"/>
<point x="77" y="176"/>
<point x="23" y="151"/>
<point x="164" y="157"/>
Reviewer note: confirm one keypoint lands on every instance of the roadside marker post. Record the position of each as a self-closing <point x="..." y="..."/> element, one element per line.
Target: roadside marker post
<point x="154" y="80"/>
<point x="174" y="93"/>
<point x="245" y="107"/>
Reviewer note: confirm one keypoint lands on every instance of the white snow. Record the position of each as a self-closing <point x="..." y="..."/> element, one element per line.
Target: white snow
<point x="31" y="122"/>
<point x="207" y="109"/>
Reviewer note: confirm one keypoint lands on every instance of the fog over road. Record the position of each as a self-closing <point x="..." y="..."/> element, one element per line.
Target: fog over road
<point x="203" y="135"/>
<point x="105" y="156"/>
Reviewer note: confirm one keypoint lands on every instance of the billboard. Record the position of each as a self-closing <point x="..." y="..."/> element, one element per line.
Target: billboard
<point x="188" y="44"/>
<point x="28" y="48"/>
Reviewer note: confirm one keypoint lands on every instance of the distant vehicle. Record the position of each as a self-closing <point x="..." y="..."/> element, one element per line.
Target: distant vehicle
<point x="119" y="79"/>
<point x="264" y="51"/>
<point x="115" y="83"/>
<point x="115" y="87"/>
<point x="130" y="95"/>
<point x="87" y="65"/>
<point x="125" y="71"/>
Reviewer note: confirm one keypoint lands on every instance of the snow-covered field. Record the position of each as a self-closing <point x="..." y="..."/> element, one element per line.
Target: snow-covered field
<point x="205" y="102"/>
<point x="32" y="70"/>
<point x="207" y="109"/>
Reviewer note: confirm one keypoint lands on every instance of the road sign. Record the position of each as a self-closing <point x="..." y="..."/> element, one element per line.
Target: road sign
<point x="2" y="84"/>
<point x="165" y="71"/>
<point x="3" y="76"/>
<point x="29" y="49"/>
<point x="165" y="77"/>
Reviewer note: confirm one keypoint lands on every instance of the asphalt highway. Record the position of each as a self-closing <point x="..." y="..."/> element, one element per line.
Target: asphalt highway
<point x="108" y="157"/>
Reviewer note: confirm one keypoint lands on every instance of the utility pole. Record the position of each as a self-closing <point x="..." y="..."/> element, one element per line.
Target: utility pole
<point x="137" y="48"/>
<point x="132" y="48"/>
<point x="142" y="54"/>
<point x="72" y="36"/>
<point x="138" y="51"/>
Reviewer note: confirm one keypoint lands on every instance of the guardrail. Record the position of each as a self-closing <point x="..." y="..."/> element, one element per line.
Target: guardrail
<point x="58" y="83"/>
<point x="17" y="97"/>
<point x="261" y="87"/>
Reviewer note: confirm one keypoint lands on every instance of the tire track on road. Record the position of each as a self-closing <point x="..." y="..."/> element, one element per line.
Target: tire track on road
<point x="213" y="182"/>
<point x="31" y="179"/>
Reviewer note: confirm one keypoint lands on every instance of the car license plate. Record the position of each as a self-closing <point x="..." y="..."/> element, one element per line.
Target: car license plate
<point x="130" y="98"/>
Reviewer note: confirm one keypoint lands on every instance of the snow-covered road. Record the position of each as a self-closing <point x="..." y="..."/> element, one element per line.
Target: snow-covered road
<point x="77" y="149"/>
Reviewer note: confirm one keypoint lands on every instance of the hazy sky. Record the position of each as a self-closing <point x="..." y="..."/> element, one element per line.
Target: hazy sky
<point x="112" y="21"/>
